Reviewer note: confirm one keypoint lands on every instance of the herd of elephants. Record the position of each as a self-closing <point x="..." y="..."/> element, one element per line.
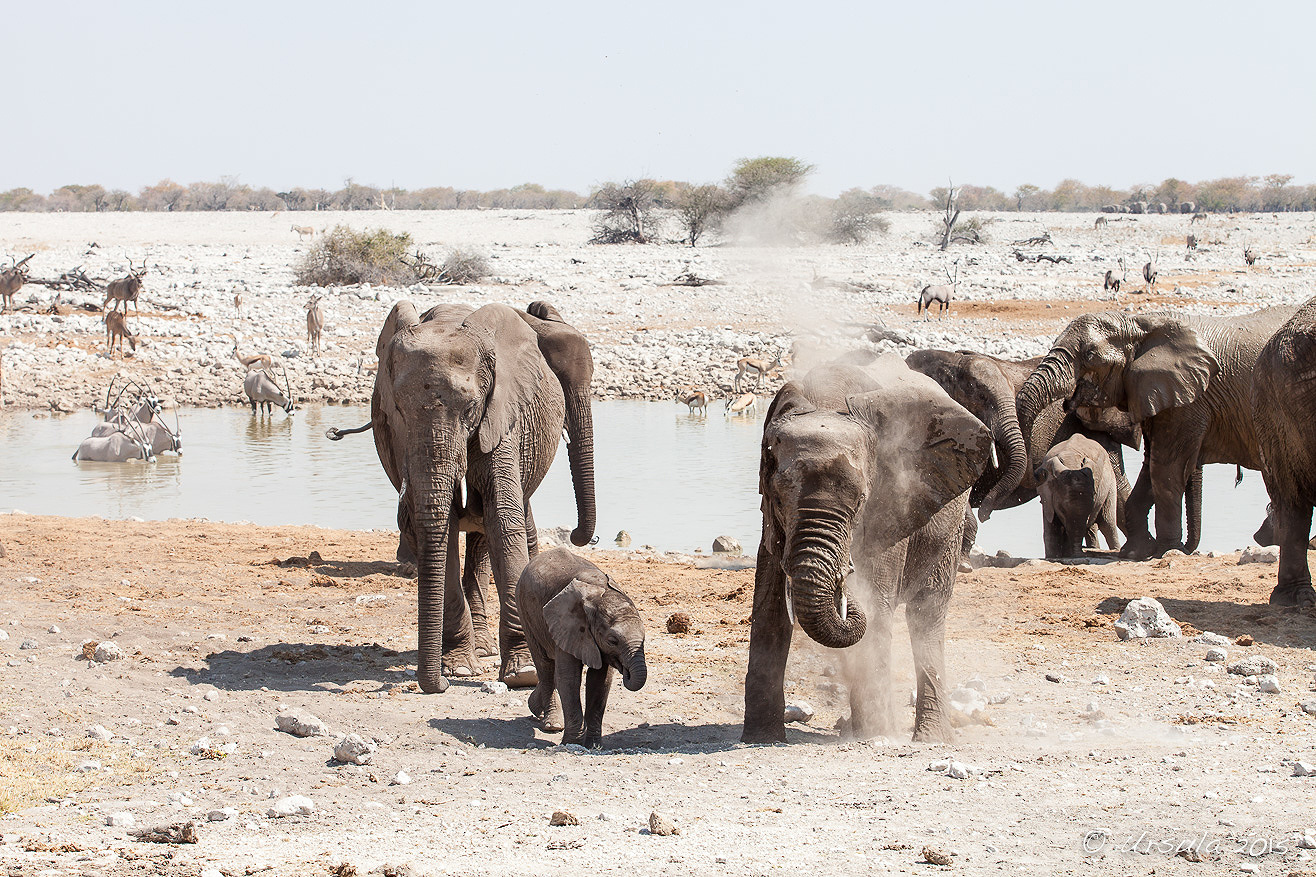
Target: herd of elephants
<point x="870" y="468"/>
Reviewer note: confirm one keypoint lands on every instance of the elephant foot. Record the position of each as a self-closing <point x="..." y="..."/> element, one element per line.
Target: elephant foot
<point x="932" y="731"/>
<point x="518" y="671"/>
<point x="965" y="566"/>
<point x="1296" y="595"/>
<point x="486" y="651"/>
<point x="461" y="663"/>
<point x="1138" y="549"/>
<point x="769" y="733"/>
<point x="405" y="571"/>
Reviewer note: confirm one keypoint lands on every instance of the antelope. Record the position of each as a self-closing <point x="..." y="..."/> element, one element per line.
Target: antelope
<point x="1191" y="240"/>
<point x="237" y="303"/>
<point x="695" y="399"/>
<point x="1197" y="217"/>
<point x="1149" y="272"/>
<point x="11" y="281"/>
<point x="746" y="402"/>
<point x="304" y="231"/>
<point x="263" y="391"/>
<point x="1101" y="222"/>
<point x="254" y="361"/>
<point x="1250" y="255"/>
<point x="314" y="323"/>
<point x="747" y="364"/>
<point x="125" y="289"/>
<point x="942" y="294"/>
<point x="116" y="329"/>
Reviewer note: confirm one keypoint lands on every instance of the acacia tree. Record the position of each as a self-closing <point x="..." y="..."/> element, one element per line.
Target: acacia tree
<point x="627" y="212"/>
<point x="698" y="208"/>
<point x="757" y="179"/>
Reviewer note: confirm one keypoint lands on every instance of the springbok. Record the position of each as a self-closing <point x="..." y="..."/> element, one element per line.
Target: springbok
<point x="746" y="402"/>
<point x="696" y="399"/>
<point x="314" y="323"/>
<point x="254" y="361"/>
<point x="125" y="289"/>
<point x="116" y="329"/>
<point x="11" y="281"/>
<point x="747" y="364"/>
<point x="304" y="231"/>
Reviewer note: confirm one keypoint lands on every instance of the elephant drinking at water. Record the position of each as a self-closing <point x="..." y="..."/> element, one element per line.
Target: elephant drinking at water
<point x="869" y="465"/>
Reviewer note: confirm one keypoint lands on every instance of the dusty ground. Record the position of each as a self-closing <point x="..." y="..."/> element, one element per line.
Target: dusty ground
<point x="1138" y="748"/>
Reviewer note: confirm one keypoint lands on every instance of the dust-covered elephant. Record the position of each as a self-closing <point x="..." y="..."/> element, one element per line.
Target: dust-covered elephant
<point x="871" y="466"/>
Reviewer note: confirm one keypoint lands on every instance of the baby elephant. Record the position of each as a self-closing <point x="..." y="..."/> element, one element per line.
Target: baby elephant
<point x="574" y="615"/>
<point x="1077" y="487"/>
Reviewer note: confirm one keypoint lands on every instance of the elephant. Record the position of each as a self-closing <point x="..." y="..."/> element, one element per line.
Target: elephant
<point x="871" y="466"/>
<point x="575" y="617"/>
<point x="468" y="396"/>
<point x="1185" y="380"/>
<point x="1187" y="206"/>
<point x="1076" y="485"/>
<point x="1283" y="393"/>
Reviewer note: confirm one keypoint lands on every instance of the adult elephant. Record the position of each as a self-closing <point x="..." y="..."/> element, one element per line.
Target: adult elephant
<point x="1283" y="399"/>
<point x="467" y="395"/>
<point x="869" y="466"/>
<point x="1186" y="380"/>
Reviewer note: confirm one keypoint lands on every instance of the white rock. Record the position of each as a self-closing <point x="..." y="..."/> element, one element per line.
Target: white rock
<point x="293" y="805"/>
<point x="1307" y="841"/>
<point x="1217" y="656"/>
<point x="108" y="651"/>
<point x="301" y="723"/>
<point x="1259" y="555"/>
<point x="1144" y="618"/>
<point x="1304" y="769"/>
<point x="1253" y="665"/>
<point x="401" y="778"/>
<point x="798" y="711"/>
<point x="371" y="599"/>
<point x="200" y="746"/>
<point x="54" y="628"/>
<point x="99" y="732"/>
<point x="1309" y="707"/>
<point x="4" y="635"/>
<point x="28" y="643"/>
<point x="1269" y="683"/>
<point x="211" y="696"/>
<point x="353" y="749"/>
<point x="1211" y="639"/>
<point x="960" y="771"/>
<point x="969" y="701"/>
<point x="180" y="798"/>
<point x="221" y="814"/>
<point x="120" y="820"/>
<point x="493" y="686"/>
<point x="211" y="872"/>
<point x="89" y="766"/>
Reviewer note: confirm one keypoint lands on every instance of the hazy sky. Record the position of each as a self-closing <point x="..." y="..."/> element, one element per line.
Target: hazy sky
<point x="571" y="94"/>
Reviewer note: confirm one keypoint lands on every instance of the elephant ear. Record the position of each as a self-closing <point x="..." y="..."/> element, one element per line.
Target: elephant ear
<point x="927" y="448"/>
<point x="516" y="368"/>
<point x="789" y="401"/>
<point x="1170" y="368"/>
<point x="403" y="316"/>
<point x="568" y="622"/>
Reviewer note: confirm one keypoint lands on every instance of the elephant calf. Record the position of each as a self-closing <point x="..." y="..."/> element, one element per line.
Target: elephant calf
<point x="575" y="616"/>
<point x="1076" y="484"/>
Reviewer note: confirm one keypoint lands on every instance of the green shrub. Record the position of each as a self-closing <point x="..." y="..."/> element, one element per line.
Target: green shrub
<point x="343" y="257"/>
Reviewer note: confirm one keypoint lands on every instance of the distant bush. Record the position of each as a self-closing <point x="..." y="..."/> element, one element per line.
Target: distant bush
<point x="343" y="257"/>
<point x="463" y="266"/>
<point x="854" y="218"/>
<point x="627" y="213"/>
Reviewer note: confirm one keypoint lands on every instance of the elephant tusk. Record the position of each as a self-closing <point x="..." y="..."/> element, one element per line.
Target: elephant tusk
<point x="790" y="602"/>
<point x="566" y="436"/>
<point x="996" y="461"/>
<point x="402" y="491"/>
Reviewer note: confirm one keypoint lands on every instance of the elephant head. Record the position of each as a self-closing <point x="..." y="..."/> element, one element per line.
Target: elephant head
<point x="568" y="355"/>
<point x="1068" y="491"/>
<point x="978" y="383"/>
<point x="874" y="450"/>
<point x="1140" y="364"/>
<point x="450" y="386"/>
<point x="600" y="625"/>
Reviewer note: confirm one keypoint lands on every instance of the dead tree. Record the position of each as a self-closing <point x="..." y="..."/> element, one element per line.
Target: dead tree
<point x="950" y="216"/>
<point x="1041" y="257"/>
<point x="1037" y="241"/>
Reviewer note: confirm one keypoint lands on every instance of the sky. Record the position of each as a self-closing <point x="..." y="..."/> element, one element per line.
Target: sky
<point x="574" y="94"/>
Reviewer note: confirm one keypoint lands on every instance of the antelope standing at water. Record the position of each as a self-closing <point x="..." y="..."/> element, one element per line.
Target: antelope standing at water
<point x="759" y="367"/>
<point x="746" y="402"/>
<point x="695" y="399"/>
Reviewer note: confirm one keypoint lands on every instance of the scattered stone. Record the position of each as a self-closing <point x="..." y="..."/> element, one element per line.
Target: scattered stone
<point x="661" y="825"/>
<point x="1255" y="665"/>
<point x="1308" y="707"/>
<point x="401" y="778"/>
<point x="180" y="798"/>
<point x="623" y="539"/>
<point x="1269" y="683"/>
<point x="678" y="623"/>
<point x="1307" y="841"/>
<point x="1304" y="769"/>
<point x="293" y="805"/>
<point x="222" y="814"/>
<point x="178" y="833"/>
<point x="960" y="771"/>
<point x="1055" y="677"/>
<point x="935" y="856"/>
<point x="301" y="723"/>
<point x="493" y="686"/>
<point x="1259" y="555"/>
<point x="54" y="628"/>
<point x="563" y="817"/>
<point x="100" y="732"/>
<point x="210" y="696"/>
<point x="1217" y="656"/>
<point x="1244" y="640"/>
<point x="1207" y="638"/>
<point x="106" y="652"/>
<point x="28" y="643"/>
<point x="726" y="545"/>
<point x="798" y="711"/>
<point x="90" y="766"/>
<point x="120" y="820"/>
<point x="4" y="635"/>
<point x="372" y="599"/>
<point x="353" y="749"/>
<point x="1144" y="618"/>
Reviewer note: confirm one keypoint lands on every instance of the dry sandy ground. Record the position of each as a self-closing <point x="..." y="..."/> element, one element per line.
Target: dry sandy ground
<point x="1136" y="750"/>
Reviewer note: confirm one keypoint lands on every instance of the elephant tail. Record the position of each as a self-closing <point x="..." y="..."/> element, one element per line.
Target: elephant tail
<point x="334" y="434"/>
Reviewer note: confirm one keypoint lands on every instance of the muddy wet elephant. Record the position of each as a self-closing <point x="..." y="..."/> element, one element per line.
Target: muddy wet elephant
<point x="871" y="466"/>
<point x="1076" y="485"/>
<point x="468" y="396"/>
<point x="1185" y="380"/>
<point x="1283" y="399"/>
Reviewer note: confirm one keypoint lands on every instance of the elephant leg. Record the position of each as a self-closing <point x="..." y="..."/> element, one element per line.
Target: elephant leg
<point x="1294" y="587"/>
<point x="1139" y="544"/>
<point x="475" y="586"/>
<point x="926" y="617"/>
<point x="1090" y="538"/>
<point x="505" y="527"/>
<point x="406" y="554"/>
<point x="1170" y="480"/>
<point x="1053" y="538"/>
<point x="769" y="644"/>
<point x="1106" y="522"/>
<point x="597" y="685"/>
<point x="544" y="702"/>
<point x="867" y="667"/>
<point x="567" y="680"/>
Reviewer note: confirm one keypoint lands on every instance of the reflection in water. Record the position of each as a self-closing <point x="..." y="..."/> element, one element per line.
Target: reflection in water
<point x="672" y="480"/>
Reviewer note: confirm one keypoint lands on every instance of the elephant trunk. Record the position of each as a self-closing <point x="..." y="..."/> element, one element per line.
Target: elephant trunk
<point x="1193" y="502"/>
<point x="634" y="671"/>
<point x="580" y="454"/>
<point x="1006" y="432"/>
<point x="817" y="587"/>
<point x="1053" y="379"/>
<point x="436" y="543"/>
